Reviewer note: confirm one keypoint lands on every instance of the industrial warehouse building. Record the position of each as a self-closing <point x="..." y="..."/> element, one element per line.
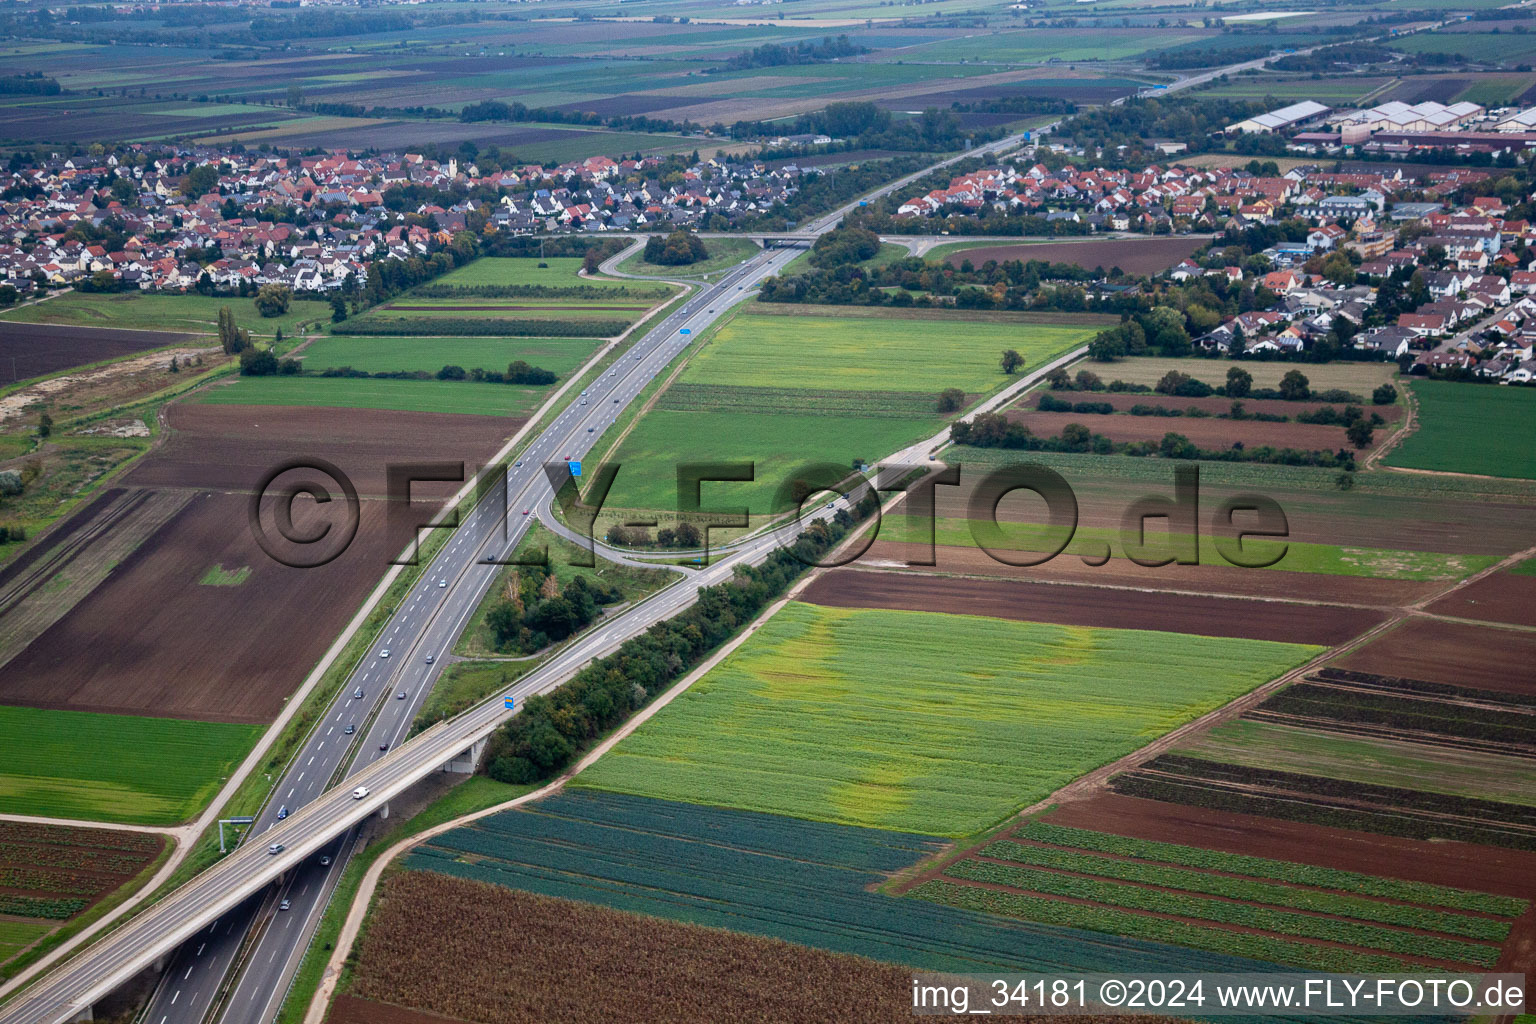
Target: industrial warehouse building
<point x="1280" y="120"/>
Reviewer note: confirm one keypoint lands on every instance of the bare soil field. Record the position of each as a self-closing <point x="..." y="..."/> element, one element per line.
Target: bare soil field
<point x="1209" y="433"/>
<point x="1462" y="865"/>
<point x="1196" y="579"/>
<point x="151" y="640"/>
<point x="1352" y="518"/>
<point x="1501" y="597"/>
<point x="522" y="956"/>
<point x="39" y="349"/>
<point x="116" y="384"/>
<point x="351" y="1010"/>
<point x="1123" y="401"/>
<point x="156" y="637"/>
<point x="1132" y="255"/>
<point x="232" y="447"/>
<point x="1093" y="606"/>
<point x="1451" y="652"/>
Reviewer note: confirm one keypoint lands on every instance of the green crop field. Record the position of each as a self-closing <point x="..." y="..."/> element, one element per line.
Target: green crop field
<point x="520" y="270"/>
<point x="863" y="717"/>
<point x="847" y="353"/>
<point x="1289" y="907"/>
<point x="1128" y="924"/>
<point x="1370" y="760"/>
<point x="361" y="393"/>
<point x="1300" y="556"/>
<point x="1470" y="428"/>
<point x="764" y="874"/>
<point x="1394" y="889"/>
<point x="77" y="764"/>
<point x="1280" y="921"/>
<point x="389" y="354"/>
<point x="1504" y="47"/>
<point x="191" y="314"/>
<point x="775" y="443"/>
<point x="15" y="935"/>
<point x="780" y="389"/>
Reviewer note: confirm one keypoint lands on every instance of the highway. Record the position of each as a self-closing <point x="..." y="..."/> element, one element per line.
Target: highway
<point x="361" y="739"/>
<point x="394" y="678"/>
<point x="314" y="796"/>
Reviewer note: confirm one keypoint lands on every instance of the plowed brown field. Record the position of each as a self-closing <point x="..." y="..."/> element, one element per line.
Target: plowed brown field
<point x="524" y="957"/>
<point x="1462" y="865"/>
<point x="155" y="639"/>
<point x="1451" y="652"/>
<point x="1310" y="623"/>
<point x="1196" y="579"/>
<point x="232" y="447"/>
<point x="33" y="350"/>
<point x="1501" y="597"/>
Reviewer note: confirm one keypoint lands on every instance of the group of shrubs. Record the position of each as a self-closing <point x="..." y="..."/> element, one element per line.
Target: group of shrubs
<point x="470" y="327"/>
<point x="536" y="611"/>
<point x="536" y="291"/>
<point x="552" y="728"/>
<point x="1294" y="387"/>
<point x="517" y="372"/>
<point x="994" y="430"/>
<point x="683" y="535"/>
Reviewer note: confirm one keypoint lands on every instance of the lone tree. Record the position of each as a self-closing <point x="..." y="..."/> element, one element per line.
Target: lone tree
<point x="44" y="424"/>
<point x="233" y="339"/>
<point x="1295" y="386"/>
<point x="1384" y="394"/>
<point x="1107" y="346"/>
<point x="1359" y="433"/>
<point x="951" y="399"/>
<point x="1012" y="360"/>
<point x="1239" y="382"/>
<point x="273" y="299"/>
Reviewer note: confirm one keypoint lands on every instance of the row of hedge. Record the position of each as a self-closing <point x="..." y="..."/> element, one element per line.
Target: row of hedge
<point x="490" y="327"/>
<point x="537" y="291"/>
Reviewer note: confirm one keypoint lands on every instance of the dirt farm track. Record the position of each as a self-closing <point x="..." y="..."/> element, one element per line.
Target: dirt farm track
<point x="183" y="626"/>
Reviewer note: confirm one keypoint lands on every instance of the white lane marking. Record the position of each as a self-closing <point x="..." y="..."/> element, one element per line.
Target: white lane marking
<point x="175" y="997"/>
<point x="200" y="948"/>
<point x="184" y="977"/>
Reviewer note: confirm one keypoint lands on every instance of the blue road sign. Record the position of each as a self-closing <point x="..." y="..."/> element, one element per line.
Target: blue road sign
<point x="575" y="467"/>
<point x="242" y="820"/>
<point x="509" y="703"/>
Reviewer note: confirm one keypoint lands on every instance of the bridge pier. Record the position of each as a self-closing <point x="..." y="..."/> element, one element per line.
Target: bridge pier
<point x="464" y="763"/>
<point x="84" y="1014"/>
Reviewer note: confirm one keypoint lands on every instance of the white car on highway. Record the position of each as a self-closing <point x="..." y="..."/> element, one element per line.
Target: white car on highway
<point x="359" y="792"/>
